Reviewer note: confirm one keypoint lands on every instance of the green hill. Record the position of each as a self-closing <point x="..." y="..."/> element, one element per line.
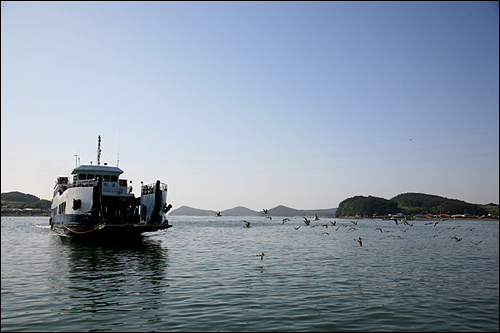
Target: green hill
<point x="21" y="200"/>
<point x="366" y="207"/>
<point x="411" y="204"/>
<point x="419" y="203"/>
<point x="19" y="197"/>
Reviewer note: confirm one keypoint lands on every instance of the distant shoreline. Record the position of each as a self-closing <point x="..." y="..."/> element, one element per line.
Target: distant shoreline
<point x="47" y="214"/>
<point x="15" y="213"/>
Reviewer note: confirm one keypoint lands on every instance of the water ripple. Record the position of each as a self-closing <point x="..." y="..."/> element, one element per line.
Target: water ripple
<point x="204" y="275"/>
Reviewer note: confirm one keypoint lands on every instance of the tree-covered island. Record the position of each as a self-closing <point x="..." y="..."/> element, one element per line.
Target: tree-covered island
<point x="411" y="204"/>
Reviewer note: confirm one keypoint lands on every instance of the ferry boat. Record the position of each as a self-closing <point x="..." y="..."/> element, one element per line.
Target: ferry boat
<point x="96" y="202"/>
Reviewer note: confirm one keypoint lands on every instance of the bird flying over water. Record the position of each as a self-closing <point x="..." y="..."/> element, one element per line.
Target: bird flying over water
<point x="286" y="219"/>
<point x="264" y="211"/>
<point x="325" y="233"/>
<point x="261" y="255"/>
<point x="297" y="228"/>
<point x="306" y="221"/>
<point x="269" y="217"/>
<point x="359" y="241"/>
<point x="457" y="239"/>
<point x="247" y="224"/>
<point x="334" y="223"/>
<point x="475" y="243"/>
<point x="218" y="213"/>
<point x="379" y="229"/>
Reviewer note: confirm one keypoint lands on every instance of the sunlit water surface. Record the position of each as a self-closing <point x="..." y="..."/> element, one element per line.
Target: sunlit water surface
<point x="203" y="274"/>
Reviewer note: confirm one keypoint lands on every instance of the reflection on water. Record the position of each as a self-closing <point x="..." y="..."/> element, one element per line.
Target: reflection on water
<point x="99" y="276"/>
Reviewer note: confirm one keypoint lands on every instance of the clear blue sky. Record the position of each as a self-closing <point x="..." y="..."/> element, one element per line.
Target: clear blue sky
<point x="255" y="104"/>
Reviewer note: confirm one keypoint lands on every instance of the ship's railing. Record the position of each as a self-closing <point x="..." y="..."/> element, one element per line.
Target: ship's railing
<point x="85" y="183"/>
<point x="151" y="188"/>
<point x="107" y="187"/>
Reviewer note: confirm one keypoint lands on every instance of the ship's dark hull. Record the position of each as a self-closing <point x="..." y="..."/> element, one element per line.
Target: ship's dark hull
<point x="107" y="231"/>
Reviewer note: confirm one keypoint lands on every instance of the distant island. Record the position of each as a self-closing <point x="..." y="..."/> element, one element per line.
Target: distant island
<point x="412" y="204"/>
<point x="243" y="211"/>
<point x="17" y="203"/>
<point x="407" y="204"/>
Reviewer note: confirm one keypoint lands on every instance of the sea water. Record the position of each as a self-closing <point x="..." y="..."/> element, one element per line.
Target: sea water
<point x="203" y="274"/>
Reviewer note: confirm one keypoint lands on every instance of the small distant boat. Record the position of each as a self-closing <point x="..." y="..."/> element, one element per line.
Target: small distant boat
<point x="97" y="203"/>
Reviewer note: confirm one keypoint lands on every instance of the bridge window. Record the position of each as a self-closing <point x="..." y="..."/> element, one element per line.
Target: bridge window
<point x="82" y="176"/>
<point x="105" y="178"/>
<point x="114" y="178"/>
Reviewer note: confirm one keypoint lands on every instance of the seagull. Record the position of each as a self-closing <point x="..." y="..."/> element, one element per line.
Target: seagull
<point x="261" y="255"/>
<point x="436" y="223"/>
<point x="334" y="223"/>
<point x="218" y="213"/>
<point x="359" y="241"/>
<point x="470" y="229"/>
<point x="406" y="223"/>
<point x="286" y="219"/>
<point x="269" y="217"/>
<point x="306" y="221"/>
<point x="457" y="239"/>
<point x="475" y="243"/>
<point x="325" y="225"/>
<point x="297" y="228"/>
<point x="247" y="224"/>
<point x="316" y="217"/>
<point x="355" y="223"/>
<point x="379" y="229"/>
<point x="264" y="211"/>
<point x="323" y="233"/>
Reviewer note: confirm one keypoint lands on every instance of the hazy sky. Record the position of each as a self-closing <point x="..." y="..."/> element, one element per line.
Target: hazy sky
<point x="256" y="104"/>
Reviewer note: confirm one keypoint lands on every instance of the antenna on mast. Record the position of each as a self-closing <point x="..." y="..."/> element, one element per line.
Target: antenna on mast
<point x="118" y="155"/>
<point x="76" y="161"/>
<point x="99" y="151"/>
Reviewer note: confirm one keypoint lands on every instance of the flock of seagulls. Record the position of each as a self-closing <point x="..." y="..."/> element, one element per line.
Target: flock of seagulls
<point x="352" y="227"/>
<point x="358" y="239"/>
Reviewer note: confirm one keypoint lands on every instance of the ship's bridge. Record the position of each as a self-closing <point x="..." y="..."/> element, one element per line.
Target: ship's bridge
<point x="85" y="175"/>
